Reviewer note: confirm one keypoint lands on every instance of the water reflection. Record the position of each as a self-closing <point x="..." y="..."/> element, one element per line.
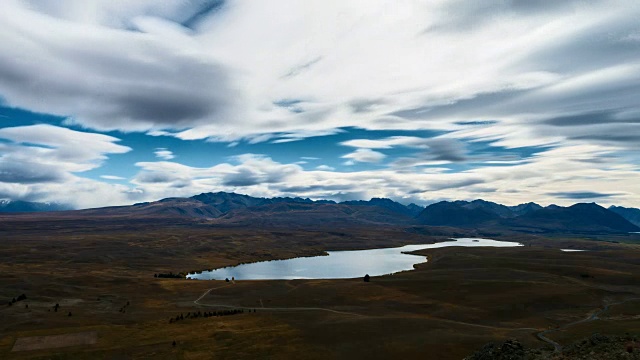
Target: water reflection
<point x="341" y="264"/>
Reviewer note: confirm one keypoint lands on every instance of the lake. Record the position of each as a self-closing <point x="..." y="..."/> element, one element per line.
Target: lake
<point x="340" y="264"/>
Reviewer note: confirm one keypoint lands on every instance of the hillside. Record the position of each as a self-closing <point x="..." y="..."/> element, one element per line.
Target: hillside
<point x="630" y="214"/>
<point x="581" y="217"/>
<point x="456" y="214"/>
<point x="578" y="218"/>
<point x="297" y="215"/>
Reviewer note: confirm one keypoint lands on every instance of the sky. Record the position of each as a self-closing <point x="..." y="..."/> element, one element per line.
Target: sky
<point x="117" y="102"/>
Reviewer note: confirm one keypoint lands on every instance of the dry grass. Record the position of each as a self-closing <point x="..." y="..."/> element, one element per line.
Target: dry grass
<point x="448" y="307"/>
<point x="55" y="341"/>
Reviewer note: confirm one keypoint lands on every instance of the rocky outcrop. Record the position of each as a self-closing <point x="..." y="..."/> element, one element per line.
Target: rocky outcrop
<point x="595" y="347"/>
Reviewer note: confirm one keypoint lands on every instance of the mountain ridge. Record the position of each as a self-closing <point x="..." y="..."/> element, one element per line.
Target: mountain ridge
<point x="20" y="206"/>
<point x="244" y="210"/>
<point x="529" y="217"/>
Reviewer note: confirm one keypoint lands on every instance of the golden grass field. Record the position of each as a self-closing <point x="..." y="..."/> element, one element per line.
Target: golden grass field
<point x="448" y="307"/>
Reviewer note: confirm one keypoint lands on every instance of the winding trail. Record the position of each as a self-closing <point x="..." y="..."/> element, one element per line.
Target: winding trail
<point x="595" y="315"/>
<point x="197" y="302"/>
<point x="592" y="317"/>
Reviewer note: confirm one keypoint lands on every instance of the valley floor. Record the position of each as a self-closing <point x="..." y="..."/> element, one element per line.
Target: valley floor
<point x="449" y="307"/>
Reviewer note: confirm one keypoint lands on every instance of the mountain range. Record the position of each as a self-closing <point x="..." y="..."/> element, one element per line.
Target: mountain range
<point x="18" y="206"/>
<point x="530" y="217"/>
<point x="631" y="214"/>
<point x="243" y="210"/>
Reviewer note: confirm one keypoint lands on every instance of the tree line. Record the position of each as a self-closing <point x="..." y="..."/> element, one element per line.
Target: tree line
<point x="169" y="275"/>
<point x="207" y="314"/>
<point x="16" y="299"/>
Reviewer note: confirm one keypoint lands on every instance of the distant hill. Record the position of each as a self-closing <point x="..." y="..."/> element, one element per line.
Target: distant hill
<point x="576" y="218"/>
<point x="471" y="213"/>
<point x="631" y="214"/>
<point x="409" y="210"/>
<point x="7" y="206"/>
<point x="491" y="207"/>
<point x="237" y="209"/>
<point x="225" y="202"/>
<point x="296" y="214"/>
<point x="165" y="208"/>
<point x="523" y="209"/>
<point x="531" y="217"/>
<point x="457" y="214"/>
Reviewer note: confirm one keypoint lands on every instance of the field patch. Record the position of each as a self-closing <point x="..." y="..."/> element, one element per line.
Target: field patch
<point x="55" y="341"/>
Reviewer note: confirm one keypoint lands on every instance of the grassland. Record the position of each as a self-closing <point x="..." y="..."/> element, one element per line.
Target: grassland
<point x="445" y="309"/>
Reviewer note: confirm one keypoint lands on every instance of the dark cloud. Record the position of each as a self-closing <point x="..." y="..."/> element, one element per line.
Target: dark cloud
<point x="162" y="107"/>
<point x="206" y="8"/>
<point x="155" y="177"/>
<point x="581" y="195"/>
<point x="441" y="185"/>
<point x="439" y="149"/>
<point x="482" y="189"/>
<point x="444" y="149"/>
<point x="469" y="107"/>
<point x="296" y="70"/>
<point x="87" y="79"/>
<point x="242" y="177"/>
<point x="591" y="118"/>
<point x="461" y="15"/>
<point x="476" y="123"/>
<point x="364" y="105"/>
<point x="24" y="172"/>
<point x="605" y="127"/>
<point x="314" y="188"/>
<point x="591" y="49"/>
<point x="292" y="105"/>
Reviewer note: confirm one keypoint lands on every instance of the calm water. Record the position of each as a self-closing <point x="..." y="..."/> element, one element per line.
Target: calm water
<point x="340" y="264"/>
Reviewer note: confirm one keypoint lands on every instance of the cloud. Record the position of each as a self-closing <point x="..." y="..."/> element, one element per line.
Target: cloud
<point x="40" y="163"/>
<point x="147" y="177"/>
<point x="365" y="155"/>
<point x="506" y="62"/>
<point x="150" y="88"/>
<point x="582" y="195"/>
<point x="112" y="177"/>
<point x="325" y="168"/>
<point x="545" y="178"/>
<point x="57" y="147"/>
<point x="443" y="149"/>
<point x="562" y="79"/>
<point x="438" y="148"/>
<point x="461" y="16"/>
<point x="248" y="170"/>
<point x="164" y="154"/>
<point x="387" y="143"/>
<point x="25" y="172"/>
<point x="241" y="177"/>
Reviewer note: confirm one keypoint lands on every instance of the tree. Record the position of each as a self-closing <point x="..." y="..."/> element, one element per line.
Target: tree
<point x="366" y="278"/>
